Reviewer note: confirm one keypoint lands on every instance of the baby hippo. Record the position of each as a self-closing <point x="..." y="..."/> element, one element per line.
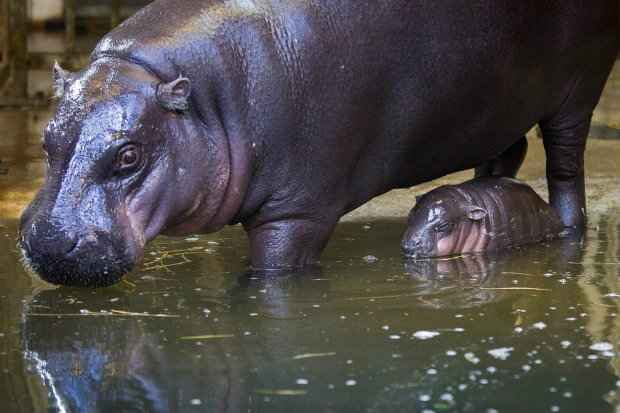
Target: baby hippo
<point x="484" y="214"/>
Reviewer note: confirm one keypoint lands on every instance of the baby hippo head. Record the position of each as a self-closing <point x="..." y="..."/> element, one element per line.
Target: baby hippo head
<point x="442" y="224"/>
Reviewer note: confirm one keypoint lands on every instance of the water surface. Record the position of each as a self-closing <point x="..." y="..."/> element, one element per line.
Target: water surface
<point x="535" y="329"/>
<point x="193" y="330"/>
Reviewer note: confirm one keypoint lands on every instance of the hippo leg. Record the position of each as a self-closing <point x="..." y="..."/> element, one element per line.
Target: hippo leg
<point x="289" y="243"/>
<point x="565" y="148"/>
<point x="507" y="164"/>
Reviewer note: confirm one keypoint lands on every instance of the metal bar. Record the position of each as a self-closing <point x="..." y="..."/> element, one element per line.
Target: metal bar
<point x="4" y="74"/>
<point x="17" y="45"/>
<point x="115" y="15"/>
<point x="3" y="32"/>
<point x="70" y="15"/>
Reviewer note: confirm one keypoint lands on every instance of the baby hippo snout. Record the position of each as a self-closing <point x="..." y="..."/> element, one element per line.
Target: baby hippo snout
<point x="413" y="245"/>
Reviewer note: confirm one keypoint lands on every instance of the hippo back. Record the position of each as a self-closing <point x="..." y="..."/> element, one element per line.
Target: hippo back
<point x="516" y="214"/>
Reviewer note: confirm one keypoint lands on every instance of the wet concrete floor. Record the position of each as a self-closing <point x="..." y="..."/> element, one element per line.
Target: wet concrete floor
<point x="192" y="330"/>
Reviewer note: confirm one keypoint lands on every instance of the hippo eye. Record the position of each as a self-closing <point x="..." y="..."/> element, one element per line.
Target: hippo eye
<point x="443" y="227"/>
<point x="128" y="158"/>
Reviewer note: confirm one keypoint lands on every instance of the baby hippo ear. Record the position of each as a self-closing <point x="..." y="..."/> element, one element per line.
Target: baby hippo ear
<point x="60" y="77"/>
<point x="174" y="96"/>
<point x="475" y="213"/>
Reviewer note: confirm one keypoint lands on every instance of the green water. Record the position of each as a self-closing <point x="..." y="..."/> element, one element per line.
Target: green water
<point x="534" y="330"/>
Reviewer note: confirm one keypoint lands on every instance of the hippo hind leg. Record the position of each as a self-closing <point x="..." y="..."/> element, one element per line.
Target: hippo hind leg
<point x="507" y="164"/>
<point x="565" y="147"/>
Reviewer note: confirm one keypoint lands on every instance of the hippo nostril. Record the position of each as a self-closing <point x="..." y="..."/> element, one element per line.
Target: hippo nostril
<point x="72" y="246"/>
<point x="53" y="244"/>
<point x="24" y="242"/>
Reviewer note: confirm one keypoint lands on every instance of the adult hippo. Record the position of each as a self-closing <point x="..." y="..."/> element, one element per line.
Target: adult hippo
<point x="284" y="115"/>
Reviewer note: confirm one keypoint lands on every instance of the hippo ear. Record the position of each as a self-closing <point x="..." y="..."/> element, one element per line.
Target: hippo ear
<point x="475" y="213"/>
<point x="61" y="78"/>
<point x="174" y="96"/>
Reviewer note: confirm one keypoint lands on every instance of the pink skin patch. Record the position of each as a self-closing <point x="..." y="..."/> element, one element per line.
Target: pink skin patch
<point x="445" y="246"/>
<point x="464" y="239"/>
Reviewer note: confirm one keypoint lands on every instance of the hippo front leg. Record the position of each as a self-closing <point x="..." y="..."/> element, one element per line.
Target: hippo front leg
<point x="290" y="243"/>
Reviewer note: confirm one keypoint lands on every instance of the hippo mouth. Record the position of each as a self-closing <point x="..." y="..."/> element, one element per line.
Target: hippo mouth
<point x="419" y="250"/>
<point x="417" y="254"/>
<point x="77" y="268"/>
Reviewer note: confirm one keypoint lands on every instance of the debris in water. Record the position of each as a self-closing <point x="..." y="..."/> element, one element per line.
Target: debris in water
<point x="501" y="353"/>
<point x="281" y="392"/>
<point x="540" y="325"/>
<point x="382" y="297"/>
<point x="517" y="273"/>
<point x="514" y="289"/>
<point x="103" y="313"/>
<point x="602" y="346"/>
<point x="370" y="259"/>
<point x="471" y="357"/>
<point x="313" y="355"/>
<point x="425" y="335"/>
<point x="207" y="337"/>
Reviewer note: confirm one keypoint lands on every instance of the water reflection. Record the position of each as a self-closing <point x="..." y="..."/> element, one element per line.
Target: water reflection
<point x="356" y="334"/>
<point x="112" y="365"/>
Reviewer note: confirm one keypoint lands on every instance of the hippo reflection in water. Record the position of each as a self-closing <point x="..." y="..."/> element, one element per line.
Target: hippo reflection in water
<point x="133" y="364"/>
<point x="136" y="364"/>
<point x="285" y="115"/>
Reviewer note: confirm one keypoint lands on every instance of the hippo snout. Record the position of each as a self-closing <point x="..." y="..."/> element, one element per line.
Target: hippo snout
<point x="63" y="257"/>
<point x="412" y="246"/>
<point x="50" y="239"/>
<point x="415" y="246"/>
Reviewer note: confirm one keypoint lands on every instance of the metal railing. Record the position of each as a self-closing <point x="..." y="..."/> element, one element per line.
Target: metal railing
<point x="16" y="60"/>
<point x="14" y="48"/>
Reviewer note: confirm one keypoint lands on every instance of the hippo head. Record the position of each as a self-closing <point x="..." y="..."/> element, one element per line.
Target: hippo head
<point x="119" y="171"/>
<point x="442" y="223"/>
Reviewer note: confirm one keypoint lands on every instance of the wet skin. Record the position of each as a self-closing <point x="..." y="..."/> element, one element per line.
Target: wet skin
<point x="484" y="214"/>
<point x="285" y="115"/>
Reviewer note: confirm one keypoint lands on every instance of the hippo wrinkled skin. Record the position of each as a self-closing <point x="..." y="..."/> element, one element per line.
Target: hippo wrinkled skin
<point x="284" y="115"/>
<point x="484" y="214"/>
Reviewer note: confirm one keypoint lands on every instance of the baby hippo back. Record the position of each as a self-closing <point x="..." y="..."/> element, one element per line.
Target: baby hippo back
<point x="516" y="215"/>
<point x="483" y="214"/>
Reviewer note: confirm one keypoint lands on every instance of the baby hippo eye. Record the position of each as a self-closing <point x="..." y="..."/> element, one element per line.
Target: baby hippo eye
<point x="128" y="157"/>
<point x="443" y="227"/>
